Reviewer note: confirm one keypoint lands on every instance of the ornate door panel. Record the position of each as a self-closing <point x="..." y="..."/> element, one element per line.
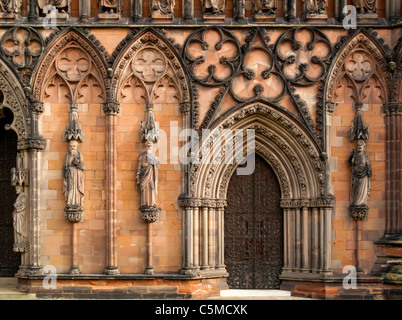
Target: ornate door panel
<point x="254" y="229"/>
<point x="9" y="260"/>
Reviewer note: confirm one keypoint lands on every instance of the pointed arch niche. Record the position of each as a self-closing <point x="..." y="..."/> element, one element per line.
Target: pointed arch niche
<point x="149" y="78"/>
<point x="70" y="82"/>
<point x="295" y="159"/>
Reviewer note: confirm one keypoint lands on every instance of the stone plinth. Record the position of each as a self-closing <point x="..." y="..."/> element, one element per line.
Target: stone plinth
<point x="158" y="17"/>
<point x="264" y="17"/>
<point x="8" y="17"/>
<point x="367" y="17"/>
<point x="124" y="286"/>
<point x="208" y="17"/>
<point x="316" y="17"/>
<point x="109" y="16"/>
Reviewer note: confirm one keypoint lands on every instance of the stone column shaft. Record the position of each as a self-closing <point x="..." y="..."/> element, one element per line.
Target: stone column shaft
<point x="111" y="110"/>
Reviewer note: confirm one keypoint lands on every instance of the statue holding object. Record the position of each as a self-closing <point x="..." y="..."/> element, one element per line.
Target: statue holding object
<point x="264" y="10"/>
<point x="360" y="187"/>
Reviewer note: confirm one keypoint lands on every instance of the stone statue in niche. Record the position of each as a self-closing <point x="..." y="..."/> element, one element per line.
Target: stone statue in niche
<point x="290" y="9"/>
<point x="213" y="10"/>
<point x="109" y="9"/>
<point x="264" y="10"/>
<point x="365" y="6"/>
<point x="316" y="6"/>
<point x="147" y="179"/>
<point x="316" y="10"/>
<point x="73" y="183"/>
<point x="10" y="6"/>
<point x="63" y="8"/>
<point x="20" y="231"/>
<point x="360" y="188"/>
<point x="162" y="9"/>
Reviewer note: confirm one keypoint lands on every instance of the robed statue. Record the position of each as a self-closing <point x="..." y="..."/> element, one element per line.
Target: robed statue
<point x="19" y="224"/>
<point x="365" y="6"/>
<point x="316" y="6"/>
<point x="265" y="6"/>
<point x="213" y="6"/>
<point x="73" y="178"/>
<point x="10" y="6"/>
<point x="62" y="6"/>
<point x="109" y="6"/>
<point x="147" y="177"/>
<point x="361" y="174"/>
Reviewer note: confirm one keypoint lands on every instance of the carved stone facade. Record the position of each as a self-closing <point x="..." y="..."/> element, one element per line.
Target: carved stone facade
<point x="209" y="89"/>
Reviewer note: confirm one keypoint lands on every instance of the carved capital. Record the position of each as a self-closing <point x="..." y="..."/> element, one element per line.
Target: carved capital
<point x="189" y="202"/>
<point x="359" y="213"/>
<point x="392" y="108"/>
<point x="111" y="108"/>
<point x="37" y="143"/>
<point x="330" y="106"/>
<point x="185" y="108"/>
<point x="37" y="106"/>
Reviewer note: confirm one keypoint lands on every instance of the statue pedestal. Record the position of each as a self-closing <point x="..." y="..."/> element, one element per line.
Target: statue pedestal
<point x="8" y="17"/>
<point x="264" y="17"/>
<point x="109" y="16"/>
<point x="367" y="17"/>
<point x="74" y="213"/>
<point x="359" y="213"/>
<point x="149" y="214"/>
<point x="159" y="17"/>
<point x="316" y="17"/>
<point x="211" y="17"/>
<point x="62" y="16"/>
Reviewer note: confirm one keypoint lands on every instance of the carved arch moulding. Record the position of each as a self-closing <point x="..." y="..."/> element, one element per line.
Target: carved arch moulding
<point x="13" y="98"/>
<point x="296" y="160"/>
<point x="274" y="130"/>
<point x="73" y="68"/>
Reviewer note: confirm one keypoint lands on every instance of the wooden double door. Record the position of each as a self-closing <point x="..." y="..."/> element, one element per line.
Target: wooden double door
<point x="254" y="229"/>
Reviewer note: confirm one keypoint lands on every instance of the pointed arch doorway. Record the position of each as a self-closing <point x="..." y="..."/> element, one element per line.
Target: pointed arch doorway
<point x="253" y="233"/>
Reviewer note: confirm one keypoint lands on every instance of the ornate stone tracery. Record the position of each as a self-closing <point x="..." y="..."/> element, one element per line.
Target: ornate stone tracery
<point x="148" y="63"/>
